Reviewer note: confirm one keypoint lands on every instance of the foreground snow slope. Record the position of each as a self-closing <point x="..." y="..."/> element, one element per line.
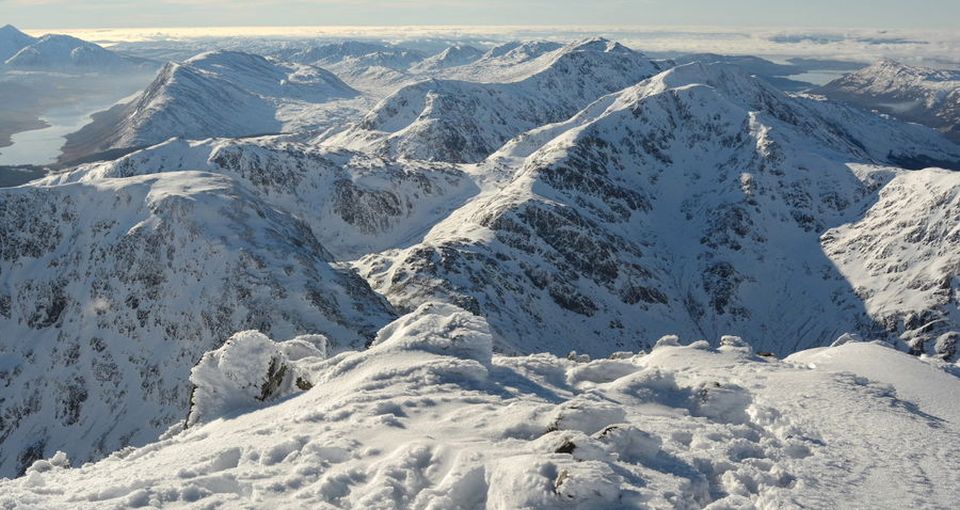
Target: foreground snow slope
<point x="427" y="418"/>
<point x="110" y="291"/>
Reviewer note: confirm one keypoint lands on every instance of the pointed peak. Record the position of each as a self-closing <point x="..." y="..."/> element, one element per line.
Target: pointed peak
<point x="222" y="55"/>
<point x="12" y="31"/>
<point x="888" y="62"/>
<point x="598" y="44"/>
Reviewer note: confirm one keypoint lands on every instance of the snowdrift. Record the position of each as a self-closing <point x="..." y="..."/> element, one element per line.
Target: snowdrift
<point x="428" y="417"/>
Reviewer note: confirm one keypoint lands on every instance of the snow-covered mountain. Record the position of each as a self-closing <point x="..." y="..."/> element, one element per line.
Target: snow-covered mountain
<point x="221" y="93"/>
<point x="454" y="56"/>
<point x="903" y="260"/>
<point x="272" y="79"/>
<point x="459" y="121"/>
<point x="428" y="418"/>
<point x="355" y="204"/>
<point x="12" y="41"/>
<point x="524" y="210"/>
<point x="56" y="52"/>
<point x="511" y="61"/>
<point x="917" y="94"/>
<point x="110" y="290"/>
<point x="674" y="206"/>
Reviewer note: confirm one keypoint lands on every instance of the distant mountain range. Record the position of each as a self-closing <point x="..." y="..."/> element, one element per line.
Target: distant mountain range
<point x="916" y="94"/>
<point x="460" y="121"/>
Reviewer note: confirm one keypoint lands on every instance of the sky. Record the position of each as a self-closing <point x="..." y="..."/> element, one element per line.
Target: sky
<point x="891" y="14"/>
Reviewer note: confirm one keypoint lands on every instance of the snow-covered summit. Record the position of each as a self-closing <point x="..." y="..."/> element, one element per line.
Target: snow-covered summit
<point x="12" y="41"/>
<point x="333" y="53"/>
<point x="223" y="93"/>
<point x="55" y="52"/>
<point x="454" y="56"/>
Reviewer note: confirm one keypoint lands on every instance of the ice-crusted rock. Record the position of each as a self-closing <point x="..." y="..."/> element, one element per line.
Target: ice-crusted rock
<point x="306" y="346"/>
<point x="667" y="341"/>
<point x="58" y="461"/>
<point x="111" y="290"/>
<point x="247" y="370"/>
<point x="735" y="343"/>
<point x="441" y="329"/>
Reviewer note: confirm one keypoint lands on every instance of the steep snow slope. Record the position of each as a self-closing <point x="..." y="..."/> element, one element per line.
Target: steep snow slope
<point x="918" y="94"/>
<point x="214" y="94"/>
<point x="110" y="290"/>
<point x="691" y="203"/>
<point x="12" y="41"/>
<point x="56" y="52"/>
<point x="427" y="418"/>
<point x="902" y="257"/>
<point x="457" y="121"/>
<point x="355" y="204"/>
